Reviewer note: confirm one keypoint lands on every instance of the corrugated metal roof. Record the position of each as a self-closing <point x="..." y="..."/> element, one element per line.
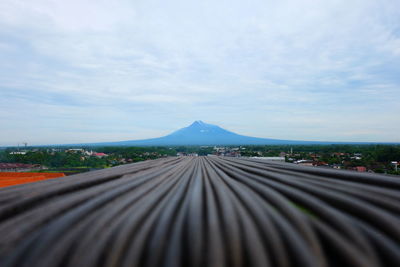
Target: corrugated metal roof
<point x="203" y="211"/>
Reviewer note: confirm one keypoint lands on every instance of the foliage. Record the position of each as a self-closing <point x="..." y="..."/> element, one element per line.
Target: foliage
<point x="374" y="157"/>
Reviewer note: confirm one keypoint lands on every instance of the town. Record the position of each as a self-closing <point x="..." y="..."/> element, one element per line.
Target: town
<point x="71" y="160"/>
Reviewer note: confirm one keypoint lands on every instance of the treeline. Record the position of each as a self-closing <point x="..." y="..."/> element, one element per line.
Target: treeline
<point x="54" y="159"/>
<point x="137" y="153"/>
<point x="381" y="153"/>
<point x="374" y="157"/>
<point x="383" y="149"/>
<point x="61" y="158"/>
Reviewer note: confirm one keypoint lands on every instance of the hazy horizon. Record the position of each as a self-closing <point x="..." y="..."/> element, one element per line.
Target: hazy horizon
<point x="93" y="71"/>
<point x="195" y="140"/>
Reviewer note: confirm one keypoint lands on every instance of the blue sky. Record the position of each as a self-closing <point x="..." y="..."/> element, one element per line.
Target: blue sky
<point x="89" y="71"/>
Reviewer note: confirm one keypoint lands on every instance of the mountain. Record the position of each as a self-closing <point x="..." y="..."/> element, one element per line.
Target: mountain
<point x="200" y="133"/>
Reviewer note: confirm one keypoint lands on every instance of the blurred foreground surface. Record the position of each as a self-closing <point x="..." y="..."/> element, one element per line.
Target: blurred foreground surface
<point x="203" y="211"/>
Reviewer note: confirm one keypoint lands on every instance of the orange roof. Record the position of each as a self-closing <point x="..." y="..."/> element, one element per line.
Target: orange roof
<point x="16" y="178"/>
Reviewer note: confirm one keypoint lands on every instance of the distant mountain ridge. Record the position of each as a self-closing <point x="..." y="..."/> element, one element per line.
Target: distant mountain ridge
<point x="201" y="133"/>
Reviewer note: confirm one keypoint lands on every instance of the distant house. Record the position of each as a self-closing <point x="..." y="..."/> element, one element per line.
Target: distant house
<point x="338" y="154"/>
<point x="19" y="167"/>
<point x="100" y="155"/>
<point x="271" y="158"/>
<point x="305" y="162"/>
<point x="395" y="165"/>
<point x="75" y="150"/>
<point x="18" y="153"/>
<point x="360" y="169"/>
<point x="88" y="153"/>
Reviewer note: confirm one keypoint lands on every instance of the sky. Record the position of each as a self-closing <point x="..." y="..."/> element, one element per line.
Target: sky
<point x="92" y="70"/>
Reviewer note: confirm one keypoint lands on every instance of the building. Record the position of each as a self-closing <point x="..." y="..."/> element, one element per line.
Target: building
<point x="395" y="165"/>
<point x="100" y="155"/>
<point x="18" y="153"/>
<point x="19" y="167"/>
<point x="360" y="169"/>
<point x="271" y="158"/>
<point x="75" y="150"/>
<point x="305" y="162"/>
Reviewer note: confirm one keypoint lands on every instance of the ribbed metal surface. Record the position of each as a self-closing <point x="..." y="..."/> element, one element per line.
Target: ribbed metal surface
<point x="203" y="211"/>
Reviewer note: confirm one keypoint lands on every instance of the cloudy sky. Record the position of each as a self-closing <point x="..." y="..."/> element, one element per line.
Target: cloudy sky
<point x="92" y="70"/>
